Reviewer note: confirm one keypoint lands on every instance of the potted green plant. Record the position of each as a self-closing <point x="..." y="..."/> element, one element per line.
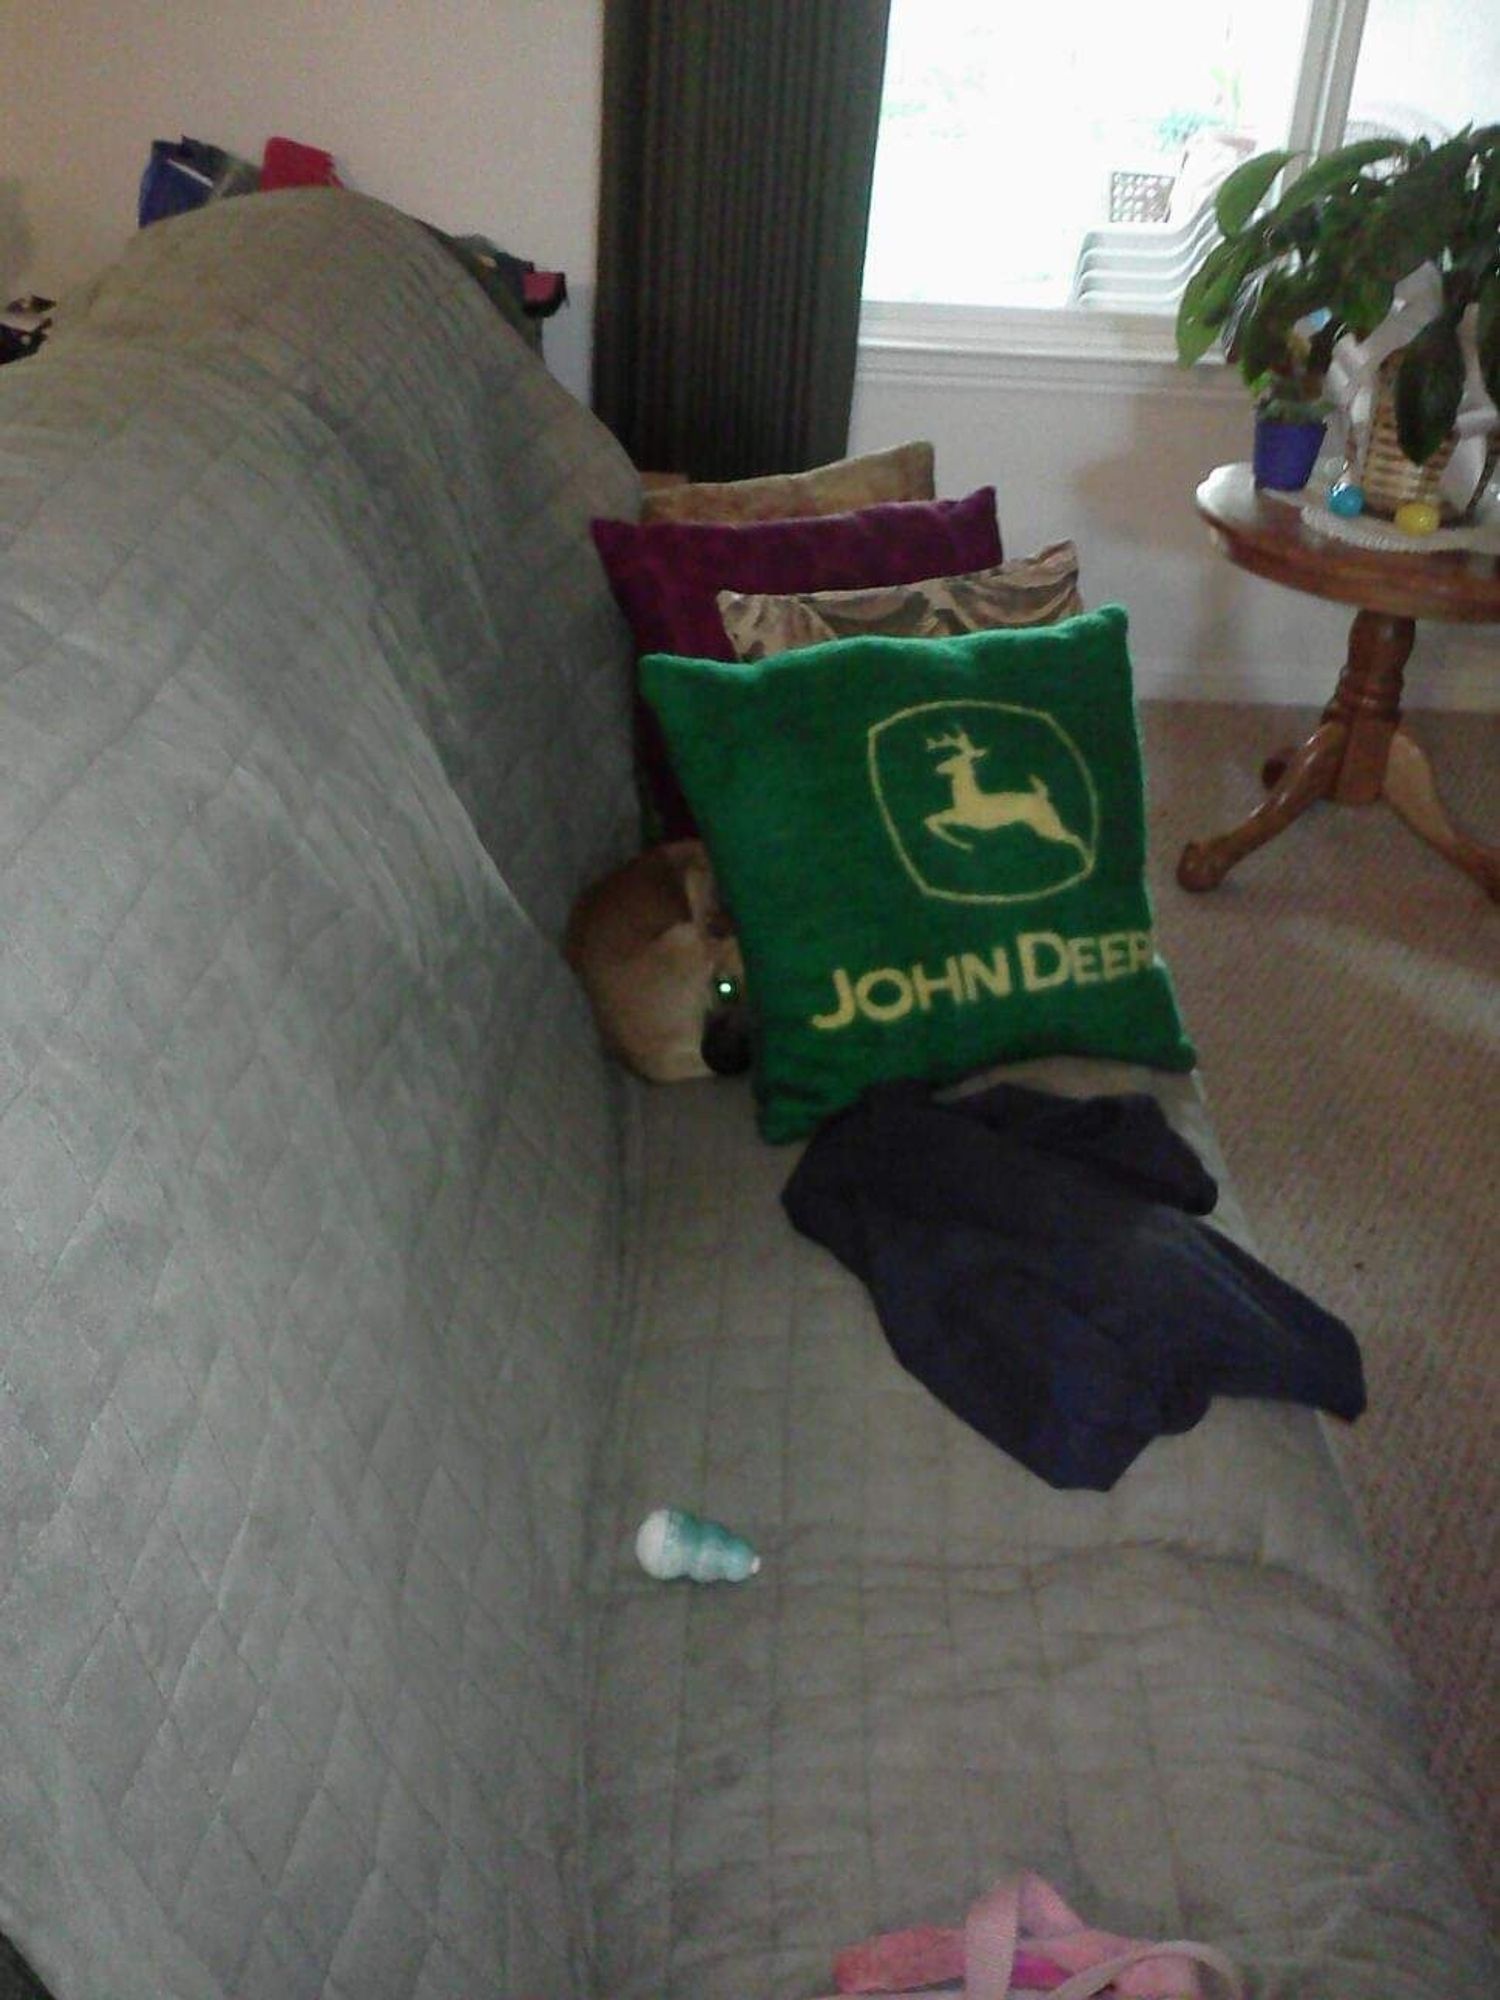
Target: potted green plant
<point x="1293" y="273"/>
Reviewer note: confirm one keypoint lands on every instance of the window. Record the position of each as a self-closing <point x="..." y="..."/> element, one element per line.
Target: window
<point x="1048" y="158"/>
<point x="1426" y="66"/>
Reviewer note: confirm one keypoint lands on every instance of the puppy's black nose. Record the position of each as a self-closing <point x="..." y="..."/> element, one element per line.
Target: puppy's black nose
<point x="726" y="1042"/>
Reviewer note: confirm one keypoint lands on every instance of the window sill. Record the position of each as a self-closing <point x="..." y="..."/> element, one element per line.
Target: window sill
<point x="1066" y="347"/>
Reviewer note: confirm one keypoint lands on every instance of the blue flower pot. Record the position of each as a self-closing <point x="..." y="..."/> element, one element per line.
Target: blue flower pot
<point x="1285" y="453"/>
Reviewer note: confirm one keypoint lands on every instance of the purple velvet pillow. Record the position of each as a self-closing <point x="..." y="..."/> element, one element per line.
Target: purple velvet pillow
<point x="666" y="577"/>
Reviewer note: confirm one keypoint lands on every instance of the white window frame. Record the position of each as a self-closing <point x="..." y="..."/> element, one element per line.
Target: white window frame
<point x="893" y="336"/>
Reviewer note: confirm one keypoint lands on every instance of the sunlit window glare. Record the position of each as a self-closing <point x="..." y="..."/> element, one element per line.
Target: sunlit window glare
<point x="1007" y="132"/>
<point x="1068" y="156"/>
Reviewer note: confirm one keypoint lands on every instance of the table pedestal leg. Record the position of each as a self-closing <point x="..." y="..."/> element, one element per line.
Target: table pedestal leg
<point x="1358" y="753"/>
<point x="1368" y="698"/>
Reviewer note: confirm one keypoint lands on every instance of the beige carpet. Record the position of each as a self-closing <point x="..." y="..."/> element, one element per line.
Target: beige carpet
<point x="1343" y="987"/>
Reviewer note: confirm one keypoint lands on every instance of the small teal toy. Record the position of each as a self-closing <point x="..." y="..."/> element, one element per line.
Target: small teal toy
<point x="670" y="1543"/>
<point x="1346" y="497"/>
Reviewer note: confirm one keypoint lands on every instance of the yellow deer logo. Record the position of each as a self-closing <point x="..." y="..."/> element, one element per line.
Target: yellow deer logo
<point x="979" y="811"/>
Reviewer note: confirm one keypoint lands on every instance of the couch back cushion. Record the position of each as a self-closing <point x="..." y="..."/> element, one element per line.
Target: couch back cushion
<point x="667" y="577"/>
<point x="1029" y="590"/>
<point x="308" y="1195"/>
<point x="901" y="472"/>
<point x="934" y="850"/>
<point x="456" y="471"/>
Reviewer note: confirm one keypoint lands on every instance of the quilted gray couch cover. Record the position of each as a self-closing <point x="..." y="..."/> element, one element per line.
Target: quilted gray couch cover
<point x="353" y="1311"/>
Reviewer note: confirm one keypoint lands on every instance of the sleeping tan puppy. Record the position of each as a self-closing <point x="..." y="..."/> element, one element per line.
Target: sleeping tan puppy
<point x="661" y="967"/>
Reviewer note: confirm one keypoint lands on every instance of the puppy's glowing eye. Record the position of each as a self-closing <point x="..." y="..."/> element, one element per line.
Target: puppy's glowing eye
<point x="726" y="988"/>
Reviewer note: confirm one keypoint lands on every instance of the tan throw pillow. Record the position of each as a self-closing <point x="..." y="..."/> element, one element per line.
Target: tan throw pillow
<point x="1033" y="590"/>
<point x="905" y="472"/>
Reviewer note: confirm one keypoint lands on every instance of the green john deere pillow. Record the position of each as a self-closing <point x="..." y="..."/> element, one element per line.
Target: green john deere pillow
<point x="933" y="850"/>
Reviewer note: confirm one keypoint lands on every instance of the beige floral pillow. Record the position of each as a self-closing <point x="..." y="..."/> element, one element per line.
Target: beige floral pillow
<point x="1033" y="590"/>
<point x="904" y="472"/>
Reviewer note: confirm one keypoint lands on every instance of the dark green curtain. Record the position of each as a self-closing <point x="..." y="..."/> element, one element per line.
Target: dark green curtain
<point x="738" y="150"/>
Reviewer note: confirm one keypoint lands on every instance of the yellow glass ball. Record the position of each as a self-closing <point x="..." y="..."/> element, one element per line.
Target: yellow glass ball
<point x="1418" y="517"/>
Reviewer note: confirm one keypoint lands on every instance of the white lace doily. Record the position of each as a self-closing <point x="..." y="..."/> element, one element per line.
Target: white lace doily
<point x="1369" y="531"/>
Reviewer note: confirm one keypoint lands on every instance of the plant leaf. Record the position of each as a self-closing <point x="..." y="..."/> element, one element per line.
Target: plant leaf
<point x="1365" y="302"/>
<point x="1209" y="295"/>
<point x="1420" y="216"/>
<point x="1240" y="318"/>
<point x="1242" y="192"/>
<point x="1429" y="387"/>
<point x="1261" y="339"/>
<point x="1332" y="172"/>
<point x="1487" y="334"/>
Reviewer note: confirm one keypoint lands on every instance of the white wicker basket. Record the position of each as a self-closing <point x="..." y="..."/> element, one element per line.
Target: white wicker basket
<point x="1389" y="478"/>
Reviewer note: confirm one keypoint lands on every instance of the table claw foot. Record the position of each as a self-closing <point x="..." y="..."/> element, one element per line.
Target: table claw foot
<point x="1309" y="776"/>
<point x="1203" y="864"/>
<point x="1409" y="787"/>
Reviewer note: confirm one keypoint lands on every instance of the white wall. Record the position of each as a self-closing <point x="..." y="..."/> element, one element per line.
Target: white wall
<point x="1107" y="454"/>
<point x="478" y="115"/>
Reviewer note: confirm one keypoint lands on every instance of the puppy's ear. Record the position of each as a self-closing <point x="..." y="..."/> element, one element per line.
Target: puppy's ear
<point x="702" y="891"/>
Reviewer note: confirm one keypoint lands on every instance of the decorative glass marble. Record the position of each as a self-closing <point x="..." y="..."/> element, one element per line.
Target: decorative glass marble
<point x="1418" y="517"/>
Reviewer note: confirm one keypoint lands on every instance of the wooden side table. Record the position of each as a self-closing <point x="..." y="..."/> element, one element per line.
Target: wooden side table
<point x="1361" y="750"/>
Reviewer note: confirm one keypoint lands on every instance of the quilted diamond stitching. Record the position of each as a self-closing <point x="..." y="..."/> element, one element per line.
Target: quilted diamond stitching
<point x="275" y="1179"/>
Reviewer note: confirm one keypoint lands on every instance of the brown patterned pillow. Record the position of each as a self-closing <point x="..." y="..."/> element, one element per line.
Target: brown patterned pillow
<point x="1033" y="590"/>
<point x="905" y="472"/>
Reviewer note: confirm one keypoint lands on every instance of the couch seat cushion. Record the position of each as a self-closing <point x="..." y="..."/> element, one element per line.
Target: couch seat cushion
<point x="1176" y="1700"/>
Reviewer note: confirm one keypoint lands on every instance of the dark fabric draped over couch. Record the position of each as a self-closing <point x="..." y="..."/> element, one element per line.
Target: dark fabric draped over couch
<point x="738" y="154"/>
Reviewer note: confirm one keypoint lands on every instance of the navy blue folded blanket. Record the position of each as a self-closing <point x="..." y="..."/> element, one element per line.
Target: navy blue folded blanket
<point x="1039" y="1262"/>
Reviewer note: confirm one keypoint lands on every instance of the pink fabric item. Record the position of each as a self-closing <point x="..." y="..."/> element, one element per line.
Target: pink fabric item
<point x="542" y="292"/>
<point x="1023" y="1935"/>
<point x="667" y="575"/>
<point x="908" y="1960"/>
<point x="288" y="163"/>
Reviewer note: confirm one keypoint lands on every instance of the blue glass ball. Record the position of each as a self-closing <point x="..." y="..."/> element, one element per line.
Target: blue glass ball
<point x="1346" y="498"/>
